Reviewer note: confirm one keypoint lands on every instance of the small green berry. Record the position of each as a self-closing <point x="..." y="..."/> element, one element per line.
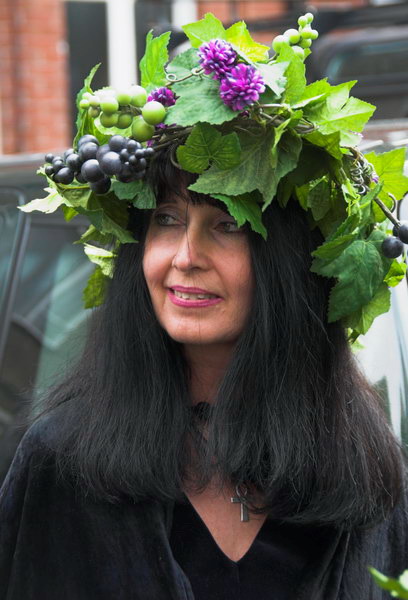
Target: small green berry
<point x="124" y="120"/>
<point x="109" y="119"/>
<point x="124" y="97"/>
<point x="302" y="21"/>
<point x="315" y="34"/>
<point x="293" y="35"/>
<point x="307" y="33"/>
<point x="153" y="112"/>
<point x="305" y="43"/>
<point x="138" y="96"/>
<point x="141" y="131"/>
<point x="279" y="42"/>
<point x="93" y="112"/>
<point x="309" y="16"/>
<point x="109" y="105"/>
<point x="84" y="103"/>
<point x="94" y="101"/>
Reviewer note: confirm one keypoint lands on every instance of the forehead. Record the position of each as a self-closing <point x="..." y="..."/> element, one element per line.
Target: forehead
<point x="185" y="198"/>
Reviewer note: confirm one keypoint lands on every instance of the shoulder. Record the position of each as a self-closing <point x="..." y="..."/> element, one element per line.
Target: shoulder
<point x="36" y="449"/>
<point x="41" y="438"/>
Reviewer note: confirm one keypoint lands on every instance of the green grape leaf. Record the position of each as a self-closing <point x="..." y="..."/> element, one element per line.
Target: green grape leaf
<point x="101" y="257"/>
<point x="241" y="40"/>
<point x="85" y="123"/>
<point x="152" y="64"/>
<point x="396" y="587"/>
<point x="255" y="171"/>
<point x="313" y="92"/>
<point x="47" y="205"/>
<point x="108" y="215"/>
<point x="359" y="270"/>
<point x="199" y="101"/>
<point x="95" y="290"/>
<point x="396" y="273"/>
<point x="69" y="213"/>
<point x="330" y="142"/>
<point x="338" y="112"/>
<point x="313" y="163"/>
<point x="204" y="145"/>
<point x="126" y="191"/>
<point x="389" y="166"/>
<point x="333" y="249"/>
<point x="294" y="73"/>
<point x="183" y="63"/>
<point x="75" y="195"/>
<point x="403" y="580"/>
<point x="318" y="199"/>
<point x="206" y="29"/>
<point x="274" y="77"/>
<point x="146" y="198"/>
<point x="94" y="235"/>
<point x="243" y="208"/>
<point x="362" y="319"/>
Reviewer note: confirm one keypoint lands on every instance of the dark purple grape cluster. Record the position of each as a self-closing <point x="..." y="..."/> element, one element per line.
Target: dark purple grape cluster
<point x="123" y="158"/>
<point x="393" y="245"/>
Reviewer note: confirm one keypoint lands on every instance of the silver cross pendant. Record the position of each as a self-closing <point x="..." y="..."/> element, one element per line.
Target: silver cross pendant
<point x="240" y="499"/>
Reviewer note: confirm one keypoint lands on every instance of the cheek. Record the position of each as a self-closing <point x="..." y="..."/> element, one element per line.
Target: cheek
<point x="239" y="274"/>
<point x="154" y="265"/>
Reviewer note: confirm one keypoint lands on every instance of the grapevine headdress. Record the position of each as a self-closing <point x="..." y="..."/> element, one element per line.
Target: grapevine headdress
<point x="254" y="132"/>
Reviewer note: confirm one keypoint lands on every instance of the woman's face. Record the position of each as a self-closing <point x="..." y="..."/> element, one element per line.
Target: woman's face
<point x="198" y="271"/>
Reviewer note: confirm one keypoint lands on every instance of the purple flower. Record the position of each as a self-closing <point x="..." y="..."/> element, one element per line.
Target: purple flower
<point x="164" y="95"/>
<point x="241" y="87"/>
<point x="217" y="58"/>
<point x="375" y="178"/>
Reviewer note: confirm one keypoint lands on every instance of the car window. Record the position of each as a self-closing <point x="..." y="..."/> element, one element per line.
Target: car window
<point x="368" y="60"/>
<point x="9" y="226"/>
<point x="47" y="324"/>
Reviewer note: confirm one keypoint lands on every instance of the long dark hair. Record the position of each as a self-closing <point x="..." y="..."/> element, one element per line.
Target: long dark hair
<point x="293" y="414"/>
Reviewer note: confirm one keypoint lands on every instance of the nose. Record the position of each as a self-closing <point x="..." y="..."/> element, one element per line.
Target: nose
<point x="192" y="250"/>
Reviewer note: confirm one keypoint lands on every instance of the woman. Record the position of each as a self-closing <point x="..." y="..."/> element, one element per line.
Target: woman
<point x="216" y="439"/>
<point x="123" y="490"/>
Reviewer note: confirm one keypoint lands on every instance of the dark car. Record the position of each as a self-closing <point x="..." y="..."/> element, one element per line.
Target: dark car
<point x="42" y="319"/>
<point x="377" y="58"/>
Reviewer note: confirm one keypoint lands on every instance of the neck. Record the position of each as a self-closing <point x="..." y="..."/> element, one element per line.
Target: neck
<point x="207" y="366"/>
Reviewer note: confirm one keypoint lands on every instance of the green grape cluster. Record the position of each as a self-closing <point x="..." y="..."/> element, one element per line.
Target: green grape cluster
<point x="299" y="39"/>
<point x="124" y="109"/>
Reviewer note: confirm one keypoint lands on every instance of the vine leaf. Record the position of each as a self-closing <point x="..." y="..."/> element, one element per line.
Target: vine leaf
<point x="154" y="60"/>
<point x="206" y="29"/>
<point x="245" y="208"/>
<point x="204" y="145"/>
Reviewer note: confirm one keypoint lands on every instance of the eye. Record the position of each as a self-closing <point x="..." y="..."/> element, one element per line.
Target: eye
<point x="164" y="219"/>
<point x="230" y="227"/>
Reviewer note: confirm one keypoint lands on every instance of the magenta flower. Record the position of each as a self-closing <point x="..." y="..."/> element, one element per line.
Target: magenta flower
<point x="241" y="87"/>
<point x="217" y="58"/>
<point x="164" y="95"/>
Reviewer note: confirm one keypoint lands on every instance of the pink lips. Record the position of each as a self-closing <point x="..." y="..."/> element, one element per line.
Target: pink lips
<point x="191" y="303"/>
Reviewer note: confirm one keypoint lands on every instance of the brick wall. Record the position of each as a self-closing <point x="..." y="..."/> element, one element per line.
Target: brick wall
<point x="34" y="76"/>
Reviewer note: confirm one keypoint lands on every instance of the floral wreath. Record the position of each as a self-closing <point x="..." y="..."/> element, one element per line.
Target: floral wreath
<point x="254" y="132"/>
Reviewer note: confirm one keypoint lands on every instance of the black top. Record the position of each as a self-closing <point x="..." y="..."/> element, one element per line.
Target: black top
<point x="56" y="542"/>
<point x="272" y="568"/>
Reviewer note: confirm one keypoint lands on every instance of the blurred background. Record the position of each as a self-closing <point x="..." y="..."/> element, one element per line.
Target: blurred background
<point x="47" y="48"/>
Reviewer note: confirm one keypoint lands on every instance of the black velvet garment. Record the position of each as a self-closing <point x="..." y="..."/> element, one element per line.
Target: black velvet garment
<point x="293" y="550"/>
<point x="56" y="543"/>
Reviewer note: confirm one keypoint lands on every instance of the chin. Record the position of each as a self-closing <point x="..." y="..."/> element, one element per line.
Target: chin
<point x="202" y="338"/>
